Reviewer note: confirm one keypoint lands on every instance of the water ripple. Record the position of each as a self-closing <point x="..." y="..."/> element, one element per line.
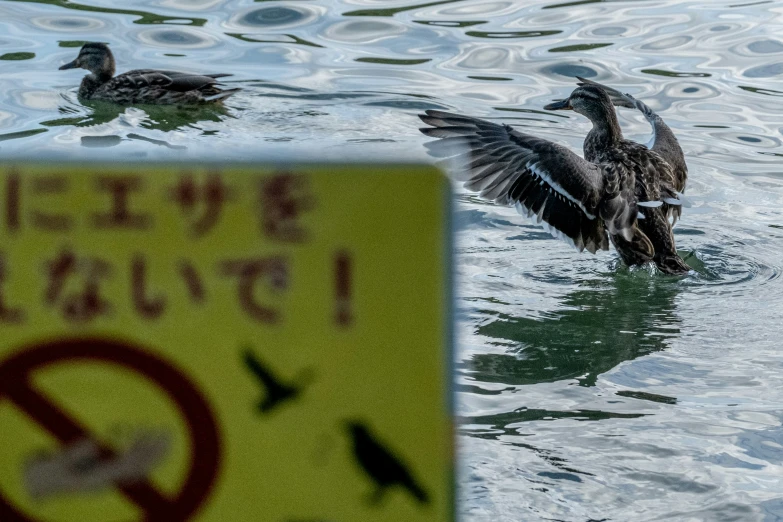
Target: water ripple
<point x="177" y="38"/>
<point x="68" y="24"/>
<point x="278" y="17"/>
<point x="364" y="31"/>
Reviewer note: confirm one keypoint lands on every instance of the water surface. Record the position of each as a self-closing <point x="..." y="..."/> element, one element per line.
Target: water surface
<point x="586" y="391"/>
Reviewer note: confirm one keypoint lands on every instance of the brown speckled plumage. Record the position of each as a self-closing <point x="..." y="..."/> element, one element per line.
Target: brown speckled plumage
<point x="663" y="141"/>
<point x="615" y="192"/>
<point x="143" y="86"/>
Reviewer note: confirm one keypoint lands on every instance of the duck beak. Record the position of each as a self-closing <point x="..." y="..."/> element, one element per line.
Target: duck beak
<point x="70" y="65"/>
<point x="562" y="105"/>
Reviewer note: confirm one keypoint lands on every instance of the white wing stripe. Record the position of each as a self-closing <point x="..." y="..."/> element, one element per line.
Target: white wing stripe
<point x="556" y="186"/>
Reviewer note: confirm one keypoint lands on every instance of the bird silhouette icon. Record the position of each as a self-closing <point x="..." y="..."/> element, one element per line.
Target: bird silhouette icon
<point x="384" y="468"/>
<point x="276" y="391"/>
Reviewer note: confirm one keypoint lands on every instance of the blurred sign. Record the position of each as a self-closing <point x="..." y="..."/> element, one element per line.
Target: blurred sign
<point x="234" y="344"/>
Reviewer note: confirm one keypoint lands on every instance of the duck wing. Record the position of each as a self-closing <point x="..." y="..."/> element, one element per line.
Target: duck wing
<point x="542" y="179"/>
<point x="663" y="140"/>
<point x="168" y="80"/>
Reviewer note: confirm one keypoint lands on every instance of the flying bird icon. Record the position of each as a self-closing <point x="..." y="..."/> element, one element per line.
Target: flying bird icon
<point x="383" y="467"/>
<point x="277" y="392"/>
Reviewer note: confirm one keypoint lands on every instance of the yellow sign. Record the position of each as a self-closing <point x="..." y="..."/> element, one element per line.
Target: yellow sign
<point x="224" y="344"/>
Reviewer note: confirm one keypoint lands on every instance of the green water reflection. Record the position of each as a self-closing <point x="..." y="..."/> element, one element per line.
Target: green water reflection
<point x="159" y="117"/>
<point x="602" y="324"/>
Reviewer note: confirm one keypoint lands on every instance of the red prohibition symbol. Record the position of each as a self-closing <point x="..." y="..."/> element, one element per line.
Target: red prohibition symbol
<point x="16" y="386"/>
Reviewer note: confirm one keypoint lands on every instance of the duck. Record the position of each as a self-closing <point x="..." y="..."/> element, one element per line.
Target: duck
<point x="142" y="86"/>
<point x="621" y="191"/>
<point x="663" y="141"/>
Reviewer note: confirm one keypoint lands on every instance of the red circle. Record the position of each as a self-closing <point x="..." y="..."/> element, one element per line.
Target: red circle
<point x="16" y="385"/>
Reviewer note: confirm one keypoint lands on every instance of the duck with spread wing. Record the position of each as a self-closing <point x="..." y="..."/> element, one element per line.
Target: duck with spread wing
<point x="621" y="191"/>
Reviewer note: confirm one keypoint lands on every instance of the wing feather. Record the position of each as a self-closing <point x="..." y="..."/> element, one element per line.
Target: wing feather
<point x="545" y="181"/>
<point x="169" y="80"/>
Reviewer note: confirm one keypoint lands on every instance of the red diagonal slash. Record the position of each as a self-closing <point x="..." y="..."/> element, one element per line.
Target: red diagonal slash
<point x="16" y="386"/>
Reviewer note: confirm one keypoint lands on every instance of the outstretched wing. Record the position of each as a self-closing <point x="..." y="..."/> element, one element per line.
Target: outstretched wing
<point x="542" y="179"/>
<point x="169" y="80"/>
<point x="663" y="140"/>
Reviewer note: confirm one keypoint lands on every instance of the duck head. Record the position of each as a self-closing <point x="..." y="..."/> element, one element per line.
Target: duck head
<point x="587" y="100"/>
<point x="96" y="58"/>
<point x="592" y="102"/>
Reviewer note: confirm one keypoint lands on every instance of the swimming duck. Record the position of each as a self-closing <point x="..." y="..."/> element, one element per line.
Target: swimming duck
<point x="142" y="85"/>
<point x="616" y="193"/>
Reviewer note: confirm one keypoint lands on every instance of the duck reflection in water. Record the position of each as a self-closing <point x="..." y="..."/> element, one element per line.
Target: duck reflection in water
<point x="610" y="320"/>
<point x="619" y="317"/>
<point x="143" y="117"/>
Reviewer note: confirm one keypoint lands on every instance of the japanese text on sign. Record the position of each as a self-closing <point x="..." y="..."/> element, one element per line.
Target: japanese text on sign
<point x="72" y="282"/>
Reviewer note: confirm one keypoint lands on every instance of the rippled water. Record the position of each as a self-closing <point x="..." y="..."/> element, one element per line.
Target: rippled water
<point x="585" y="390"/>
